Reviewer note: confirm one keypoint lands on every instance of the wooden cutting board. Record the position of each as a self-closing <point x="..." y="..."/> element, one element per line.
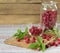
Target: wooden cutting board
<point x="13" y="41"/>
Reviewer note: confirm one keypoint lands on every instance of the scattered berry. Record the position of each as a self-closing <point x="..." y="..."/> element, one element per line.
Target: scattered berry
<point x="45" y="36"/>
<point x="48" y="37"/>
<point x="52" y="43"/>
<point x="56" y="44"/>
<point x="27" y="40"/>
<point x="58" y="39"/>
<point x="26" y="37"/>
<point x="47" y="46"/>
<point x="33" y="39"/>
<point x="18" y="40"/>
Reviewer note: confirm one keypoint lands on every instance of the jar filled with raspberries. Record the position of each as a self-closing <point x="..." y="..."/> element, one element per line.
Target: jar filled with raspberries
<point x="49" y="15"/>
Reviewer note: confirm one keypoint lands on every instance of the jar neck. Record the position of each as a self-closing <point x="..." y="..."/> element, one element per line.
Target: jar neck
<point x="51" y="5"/>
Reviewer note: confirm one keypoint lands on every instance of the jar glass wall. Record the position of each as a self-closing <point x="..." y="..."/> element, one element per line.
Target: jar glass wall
<point x="48" y="15"/>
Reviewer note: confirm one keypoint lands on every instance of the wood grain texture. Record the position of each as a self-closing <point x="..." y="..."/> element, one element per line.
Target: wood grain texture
<point x="20" y="9"/>
<point x="58" y="5"/>
<point x="24" y="1"/>
<point x="16" y="9"/>
<point x="21" y="19"/>
<point x="50" y="0"/>
<point x="20" y="1"/>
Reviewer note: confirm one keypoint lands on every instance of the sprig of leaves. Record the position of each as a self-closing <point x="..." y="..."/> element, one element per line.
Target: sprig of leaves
<point x="39" y="44"/>
<point x="21" y="34"/>
<point x="34" y="45"/>
<point x="51" y="31"/>
<point x="42" y="45"/>
<point x="56" y="31"/>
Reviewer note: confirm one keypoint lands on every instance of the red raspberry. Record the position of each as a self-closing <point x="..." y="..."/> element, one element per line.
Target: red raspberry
<point x="52" y="43"/>
<point x="58" y="39"/>
<point x="49" y="18"/>
<point x="27" y="40"/>
<point x="33" y="39"/>
<point x="18" y="40"/>
<point x="56" y="44"/>
<point x="40" y="30"/>
<point x="47" y="37"/>
<point x="44" y="36"/>
<point x="31" y="30"/>
<point x="47" y="46"/>
<point x="35" y="30"/>
<point x="26" y="37"/>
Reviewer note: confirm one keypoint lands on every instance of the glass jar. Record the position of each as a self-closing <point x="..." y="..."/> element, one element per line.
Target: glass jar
<point x="49" y="15"/>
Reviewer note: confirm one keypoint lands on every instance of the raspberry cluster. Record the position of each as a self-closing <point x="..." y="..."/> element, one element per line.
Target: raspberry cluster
<point x="49" y="19"/>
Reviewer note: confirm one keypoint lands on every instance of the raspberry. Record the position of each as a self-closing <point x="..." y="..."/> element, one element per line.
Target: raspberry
<point x="56" y="44"/>
<point x="45" y="36"/>
<point x="52" y="43"/>
<point x="48" y="38"/>
<point x="58" y="39"/>
<point x="27" y="40"/>
<point x="18" y="40"/>
<point x="33" y="39"/>
<point x="26" y="37"/>
<point x="47" y="46"/>
<point x="31" y="30"/>
<point x="49" y="18"/>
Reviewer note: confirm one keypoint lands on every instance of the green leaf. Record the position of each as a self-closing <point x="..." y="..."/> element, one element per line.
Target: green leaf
<point x="55" y="29"/>
<point x="43" y="47"/>
<point x="58" y="35"/>
<point x="19" y="31"/>
<point x="39" y="39"/>
<point x="47" y="32"/>
<point x="41" y="44"/>
<point x="26" y="32"/>
<point x="21" y="34"/>
<point x="16" y="34"/>
<point x="33" y="46"/>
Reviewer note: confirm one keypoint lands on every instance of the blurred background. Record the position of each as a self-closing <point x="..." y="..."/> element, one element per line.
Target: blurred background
<point x="22" y="11"/>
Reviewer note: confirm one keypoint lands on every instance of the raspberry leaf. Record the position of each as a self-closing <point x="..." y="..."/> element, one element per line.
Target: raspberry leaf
<point x="21" y="34"/>
<point x="39" y="39"/>
<point x="19" y="31"/>
<point x="33" y="45"/>
<point x="58" y="35"/>
<point x="43" y="47"/>
<point x="26" y="31"/>
<point x="41" y="44"/>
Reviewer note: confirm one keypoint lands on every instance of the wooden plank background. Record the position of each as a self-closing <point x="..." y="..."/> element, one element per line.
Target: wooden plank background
<point x="22" y="11"/>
